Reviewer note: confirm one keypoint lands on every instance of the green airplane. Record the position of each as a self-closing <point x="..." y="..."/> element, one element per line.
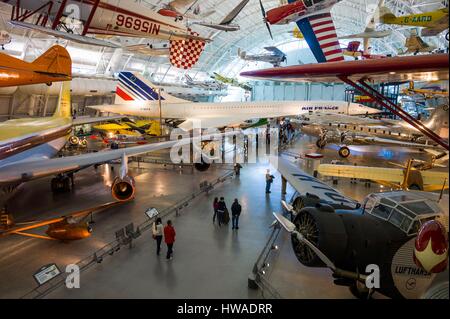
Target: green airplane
<point x="232" y="82"/>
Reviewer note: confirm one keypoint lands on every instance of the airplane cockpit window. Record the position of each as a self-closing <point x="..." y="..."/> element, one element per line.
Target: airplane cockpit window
<point x="382" y="211"/>
<point x="403" y="210"/>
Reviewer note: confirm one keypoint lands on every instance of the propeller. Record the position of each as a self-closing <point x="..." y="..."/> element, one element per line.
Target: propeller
<point x="291" y="228"/>
<point x="263" y="11"/>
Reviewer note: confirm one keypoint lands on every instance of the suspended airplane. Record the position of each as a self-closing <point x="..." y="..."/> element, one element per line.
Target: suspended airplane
<point x="180" y="9"/>
<point x="136" y="96"/>
<point x="370" y="32"/>
<point x="28" y="147"/>
<point x="404" y="234"/>
<point x="227" y="23"/>
<point x="358" y="74"/>
<point x="427" y="91"/>
<point x="415" y="45"/>
<point x="54" y="65"/>
<point x="353" y="51"/>
<point x="275" y="57"/>
<point x="433" y="22"/>
<point x="314" y="20"/>
<point x="111" y="18"/>
<point x="405" y="178"/>
<point x="207" y="85"/>
<point x="232" y="82"/>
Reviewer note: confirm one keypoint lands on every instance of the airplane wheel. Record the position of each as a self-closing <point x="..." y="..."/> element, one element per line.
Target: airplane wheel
<point x="61" y="184"/>
<point x="74" y="140"/>
<point x="344" y="152"/>
<point x="320" y="143"/>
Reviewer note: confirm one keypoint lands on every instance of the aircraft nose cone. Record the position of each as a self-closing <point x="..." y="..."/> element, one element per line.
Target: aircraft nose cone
<point x="431" y="247"/>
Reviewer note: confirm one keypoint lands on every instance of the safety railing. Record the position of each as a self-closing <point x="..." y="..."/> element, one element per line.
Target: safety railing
<point x="258" y="277"/>
<point x="124" y="237"/>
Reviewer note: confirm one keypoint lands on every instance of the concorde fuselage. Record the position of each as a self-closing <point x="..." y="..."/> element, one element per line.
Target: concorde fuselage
<point x="259" y="109"/>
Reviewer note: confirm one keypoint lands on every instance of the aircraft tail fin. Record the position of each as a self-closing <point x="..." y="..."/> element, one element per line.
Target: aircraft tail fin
<point x="55" y="61"/>
<point x="386" y="14"/>
<point x="134" y="87"/>
<point x="63" y="109"/>
<point x="438" y="121"/>
<point x="184" y="54"/>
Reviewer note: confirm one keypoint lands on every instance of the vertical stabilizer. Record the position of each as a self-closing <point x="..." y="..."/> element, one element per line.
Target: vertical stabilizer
<point x="134" y="87"/>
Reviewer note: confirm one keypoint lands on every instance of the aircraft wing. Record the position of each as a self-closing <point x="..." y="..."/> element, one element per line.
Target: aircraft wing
<point x="64" y="35"/>
<point x="146" y="49"/>
<point x="275" y="51"/>
<point x="391" y="175"/>
<point x="29" y="170"/>
<point x="305" y="183"/>
<point x="234" y="13"/>
<point x="90" y="120"/>
<point x="386" y="141"/>
<point x="430" y="67"/>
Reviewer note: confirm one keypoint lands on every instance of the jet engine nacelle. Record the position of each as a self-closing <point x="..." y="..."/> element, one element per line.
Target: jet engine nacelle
<point x="66" y="231"/>
<point x="123" y="189"/>
<point x="210" y="152"/>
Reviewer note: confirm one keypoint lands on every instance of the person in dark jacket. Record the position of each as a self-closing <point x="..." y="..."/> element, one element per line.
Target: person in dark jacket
<point x="169" y="238"/>
<point x="222" y="207"/>
<point x="235" y="213"/>
<point x="215" y="207"/>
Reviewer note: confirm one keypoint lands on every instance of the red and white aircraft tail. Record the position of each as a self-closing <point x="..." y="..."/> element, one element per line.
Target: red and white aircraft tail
<point x="320" y="34"/>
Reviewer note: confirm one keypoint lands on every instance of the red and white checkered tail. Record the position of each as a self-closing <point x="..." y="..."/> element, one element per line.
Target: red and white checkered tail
<point x="184" y="54"/>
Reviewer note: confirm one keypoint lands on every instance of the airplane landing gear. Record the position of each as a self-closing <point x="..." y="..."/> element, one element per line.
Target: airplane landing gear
<point x="360" y="291"/>
<point x="344" y="151"/>
<point x="62" y="183"/>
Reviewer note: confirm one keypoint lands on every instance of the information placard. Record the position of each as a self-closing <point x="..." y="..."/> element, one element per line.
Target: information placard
<point x="46" y="273"/>
<point x="151" y="212"/>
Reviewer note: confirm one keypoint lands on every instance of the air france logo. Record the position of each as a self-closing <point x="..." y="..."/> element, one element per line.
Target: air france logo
<point x="320" y="108"/>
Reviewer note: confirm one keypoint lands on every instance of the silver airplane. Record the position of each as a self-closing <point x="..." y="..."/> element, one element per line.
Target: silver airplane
<point x="344" y="130"/>
<point x="275" y="57"/>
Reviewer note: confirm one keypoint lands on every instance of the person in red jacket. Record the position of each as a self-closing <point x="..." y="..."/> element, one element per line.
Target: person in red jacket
<point x="169" y="238"/>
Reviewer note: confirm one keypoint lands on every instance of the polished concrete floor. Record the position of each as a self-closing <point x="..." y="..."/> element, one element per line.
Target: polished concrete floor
<point x="209" y="262"/>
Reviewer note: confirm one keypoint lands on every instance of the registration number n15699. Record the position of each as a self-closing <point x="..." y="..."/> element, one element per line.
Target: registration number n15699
<point x="137" y="24"/>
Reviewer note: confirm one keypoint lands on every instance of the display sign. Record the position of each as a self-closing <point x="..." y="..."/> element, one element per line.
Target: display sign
<point x="46" y="273"/>
<point x="151" y="212"/>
